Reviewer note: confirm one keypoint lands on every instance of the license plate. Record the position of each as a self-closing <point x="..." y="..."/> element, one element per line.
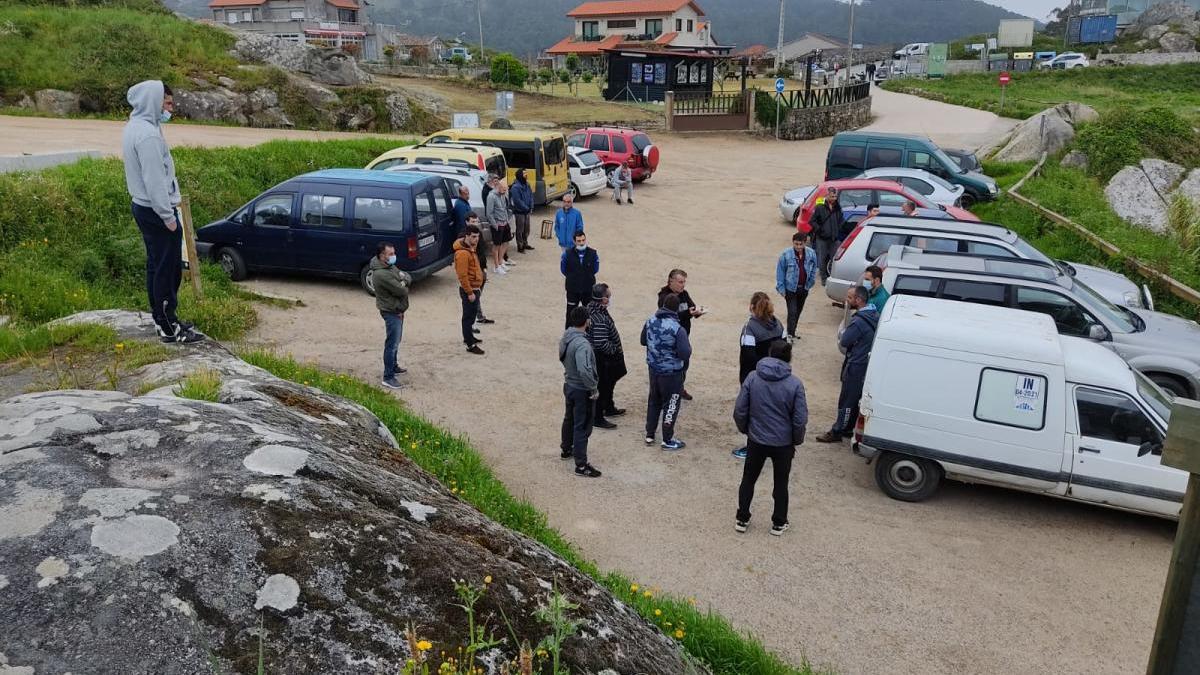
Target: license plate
<point x="427" y="241"/>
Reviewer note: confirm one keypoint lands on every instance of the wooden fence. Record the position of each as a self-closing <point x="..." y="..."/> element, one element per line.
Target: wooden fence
<point x="709" y="112"/>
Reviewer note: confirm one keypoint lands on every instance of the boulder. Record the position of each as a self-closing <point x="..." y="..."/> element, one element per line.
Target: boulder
<point x="1136" y="193"/>
<point x="271" y="118"/>
<point x="56" y="102"/>
<point x="215" y="105"/>
<point x="399" y="113"/>
<point x="1048" y="131"/>
<point x="318" y="97"/>
<point x="1174" y="43"/>
<point x="26" y="103"/>
<point x="1191" y="28"/>
<point x="1154" y="32"/>
<point x="357" y="117"/>
<point x="146" y="533"/>
<point x="1189" y="187"/>
<point x="500" y="123"/>
<point x="1074" y="160"/>
<point x="1163" y="13"/>
<point x="333" y="66"/>
<point x="258" y="48"/>
<point x="261" y="99"/>
<point x="226" y="82"/>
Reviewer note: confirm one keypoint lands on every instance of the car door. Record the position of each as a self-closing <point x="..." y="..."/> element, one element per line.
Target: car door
<point x="884" y="155"/>
<point x="264" y="243"/>
<point x="443" y="211"/>
<point x="319" y="237"/>
<point x="1117" y="455"/>
<point x="427" y="248"/>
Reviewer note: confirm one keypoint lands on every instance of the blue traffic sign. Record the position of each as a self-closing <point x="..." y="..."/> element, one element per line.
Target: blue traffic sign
<point x="779" y="85"/>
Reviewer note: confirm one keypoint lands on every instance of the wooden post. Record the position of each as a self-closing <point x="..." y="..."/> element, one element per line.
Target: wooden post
<point x="189" y="246"/>
<point x="1176" y="647"/>
<point x="670" y="109"/>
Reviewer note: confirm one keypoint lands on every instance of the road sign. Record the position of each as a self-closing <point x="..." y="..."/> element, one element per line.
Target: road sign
<point x="779" y="85"/>
<point x="1005" y="78"/>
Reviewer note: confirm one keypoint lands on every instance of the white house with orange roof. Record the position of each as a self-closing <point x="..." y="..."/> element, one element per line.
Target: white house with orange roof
<point x="676" y="25"/>
<point x="337" y="23"/>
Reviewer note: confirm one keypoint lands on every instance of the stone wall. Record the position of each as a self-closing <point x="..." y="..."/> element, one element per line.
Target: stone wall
<point x="1147" y="59"/>
<point x="808" y="123"/>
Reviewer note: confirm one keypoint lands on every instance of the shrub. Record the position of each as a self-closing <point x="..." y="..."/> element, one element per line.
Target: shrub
<point x="588" y="77"/>
<point x="1122" y="137"/>
<point x="201" y="385"/>
<point x="508" y="71"/>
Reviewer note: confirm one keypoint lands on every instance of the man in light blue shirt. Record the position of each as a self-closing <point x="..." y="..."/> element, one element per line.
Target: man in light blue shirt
<point x="567" y="222"/>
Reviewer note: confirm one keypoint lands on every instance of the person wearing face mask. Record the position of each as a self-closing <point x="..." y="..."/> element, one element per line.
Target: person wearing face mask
<point x="567" y="221"/>
<point x="391" y="299"/>
<point x="610" y="355"/>
<point x="579" y="266"/>
<point x="154" y="191"/>
<point x="856" y="341"/>
<point x="688" y="310"/>
<point x="877" y="295"/>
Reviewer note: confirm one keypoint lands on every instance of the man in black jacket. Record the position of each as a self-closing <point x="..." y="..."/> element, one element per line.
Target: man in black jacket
<point x="826" y="222"/>
<point x="579" y="265"/>
<point x="610" y="355"/>
<point x="856" y="341"/>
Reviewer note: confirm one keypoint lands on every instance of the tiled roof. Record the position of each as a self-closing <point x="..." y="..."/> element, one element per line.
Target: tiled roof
<point x="665" y="38"/>
<point x="569" y="45"/>
<point x="343" y="4"/>
<point x="753" y="51"/>
<point x="217" y="4"/>
<point x="632" y="7"/>
<point x="412" y="40"/>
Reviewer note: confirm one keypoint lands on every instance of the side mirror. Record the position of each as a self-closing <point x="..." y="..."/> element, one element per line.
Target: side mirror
<point x="1149" y="447"/>
<point x="1099" y="333"/>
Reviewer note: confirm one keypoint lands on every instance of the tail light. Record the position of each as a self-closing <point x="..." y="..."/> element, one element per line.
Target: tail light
<point x="847" y="241"/>
<point x="414" y="251"/>
<point x="859" y="427"/>
<point x="479" y="161"/>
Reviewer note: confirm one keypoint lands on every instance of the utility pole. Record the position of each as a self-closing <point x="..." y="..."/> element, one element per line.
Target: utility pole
<point x="779" y="41"/>
<point x="479" y="17"/>
<point x="850" y="50"/>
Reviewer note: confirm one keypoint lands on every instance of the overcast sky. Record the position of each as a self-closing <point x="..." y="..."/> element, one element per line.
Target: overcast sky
<point x="1037" y="9"/>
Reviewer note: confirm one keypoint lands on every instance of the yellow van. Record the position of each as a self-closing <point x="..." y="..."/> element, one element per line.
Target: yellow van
<point x="484" y="157"/>
<point x="542" y="152"/>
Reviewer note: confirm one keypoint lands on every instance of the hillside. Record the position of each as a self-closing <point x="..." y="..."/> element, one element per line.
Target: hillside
<point x="524" y="26"/>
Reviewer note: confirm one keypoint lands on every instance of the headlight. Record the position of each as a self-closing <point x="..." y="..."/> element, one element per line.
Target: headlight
<point x="1133" y="299"/>
<point x="992" y="189"/>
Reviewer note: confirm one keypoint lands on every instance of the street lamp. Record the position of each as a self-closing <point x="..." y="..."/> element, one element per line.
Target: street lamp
<point x="479" y="17"/>
<point x="850" y="46"/>
<point x="779" y="41"/>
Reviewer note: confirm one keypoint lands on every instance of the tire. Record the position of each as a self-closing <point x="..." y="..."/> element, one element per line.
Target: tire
<point x="968" y="200"/>
<point x="1171" y="384"/>
<point x="573" y="190"/>
<point x="364" y="279"/>
<point x="232" y="262"/>
<point x="907" y="478"/>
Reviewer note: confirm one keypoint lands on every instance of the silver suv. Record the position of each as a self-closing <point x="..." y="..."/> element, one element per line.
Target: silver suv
<point x="1164" y="347"/>
<point x="874" y="236"/>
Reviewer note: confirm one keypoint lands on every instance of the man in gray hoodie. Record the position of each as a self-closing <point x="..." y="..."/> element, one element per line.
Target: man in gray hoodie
<point x="773" y="413"/>
<point x="580" y="391"/>
<point x="150" y="179"/>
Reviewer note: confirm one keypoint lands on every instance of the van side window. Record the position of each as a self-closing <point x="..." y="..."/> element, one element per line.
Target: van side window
<point x="322" y="211"/>
<point x="275" y="210"/>
<point x="920" y="160"/>
<point x="846" y="157"/>
<point x="598" y="142"/>
<point x="1011" y="398"/>
<point x="378" y="214"/>
<point x="884" y="157"/>
<point x="495" y="165"/>
<point x="440" y="203"/>
<point x="981" y="293"/>
<point x="980" y="248"/>
<point x="424" y="210"/>
<point x="519" y="158"/>
<point x="555" y="151"/>
<point x="1110" y="416"/>
<point x="925" y="287"/>
<point x="1069" y="317"/>
<point x="881" y="242"/>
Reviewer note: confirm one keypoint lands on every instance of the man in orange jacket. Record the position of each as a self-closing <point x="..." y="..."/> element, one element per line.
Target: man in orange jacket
<point x="470" y="281"/>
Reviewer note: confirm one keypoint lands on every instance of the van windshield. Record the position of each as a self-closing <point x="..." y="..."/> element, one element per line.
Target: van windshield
<point x="1158" y="399"/>
<point x="950" y="164"/>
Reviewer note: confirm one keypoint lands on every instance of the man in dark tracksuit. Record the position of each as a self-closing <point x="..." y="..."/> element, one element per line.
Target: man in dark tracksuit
<point x="688" y="310"/>
<point x="667" y="348"/>
<point x="826" y="222"/>
<point x="579" y="390"/>
<point x="856" y="340"/>
<point x="579" y="265"/>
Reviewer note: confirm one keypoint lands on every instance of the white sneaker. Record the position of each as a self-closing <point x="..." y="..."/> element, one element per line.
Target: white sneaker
<point x="510" y="263"/>
<point x="501" y="271"/>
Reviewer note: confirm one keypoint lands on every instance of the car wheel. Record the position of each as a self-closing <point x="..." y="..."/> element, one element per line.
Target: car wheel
<point x="573" y="190"/>
<point x="364" y="278"/>
<point x="968" y="200"/>
<point x="232" y="262"/>
<point x="1171" y="384"/>
<point x="907" y="478"/>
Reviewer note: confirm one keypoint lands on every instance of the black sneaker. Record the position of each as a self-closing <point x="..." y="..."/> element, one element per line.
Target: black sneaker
<point x="779" y="529"/>
<point x="603" y="424"/>
<point x="685" y="395"/>
<point x="187" y="336"/>
<point x="587" y="471"/>
<point x="740" y="525"/>
<point x="528" y="247"/>
<point x="474" y="349"/>
<point x="185" y="325"/>
<point x="615" y="412"/>
<point x="565" y="454"/>
<point x="391" y="383"/>
<point x="649" y="439"/>
<point x="484" y="319"/>
<point x="475" y="330"/>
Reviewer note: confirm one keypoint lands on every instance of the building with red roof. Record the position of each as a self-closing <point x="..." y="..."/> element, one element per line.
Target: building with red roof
<point x="676" y="25"/>
<point x="337" y="23"/>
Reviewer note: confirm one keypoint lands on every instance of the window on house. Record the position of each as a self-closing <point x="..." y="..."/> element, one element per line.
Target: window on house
<point x="248" y="16"/>
<point x="231" y="17"/>
<point x="678" y="25"/>
<point x="347" y="16"/>
<point x="689" y="26"/>
<point x="622" y="23"/>
<point x="591" y="29"/>
<point x="654" y="27"/>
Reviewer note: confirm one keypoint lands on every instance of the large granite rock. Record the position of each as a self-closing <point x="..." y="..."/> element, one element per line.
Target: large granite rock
<point x="399" y="112"/>
<point x="1190" y="187"/>
<point x="214" y="105"/>
<point x="1074" y="160"/>
<point x="154" y="534"/>
<point x="1177" y="43"/>
<point x="1048" y="131"/>
<point x="333" y="66"/>
<point x="1154" y="32"/>
<point x="1162" y="13"/>
<point x="56" y="102"/>
<point x="1139" y="193"/>
<point x="325" y="65"/>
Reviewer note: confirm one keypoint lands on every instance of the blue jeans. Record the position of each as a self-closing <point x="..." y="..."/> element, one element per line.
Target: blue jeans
<point x="395" y="330"/>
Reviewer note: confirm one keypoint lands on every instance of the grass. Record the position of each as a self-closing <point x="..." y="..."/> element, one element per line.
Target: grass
<point x="78" y="356"/>
<point x="201" y="385"/>
<point x="68" y="242"/>
<point x="703" y="634"/>
<point x="1104" y="88"/>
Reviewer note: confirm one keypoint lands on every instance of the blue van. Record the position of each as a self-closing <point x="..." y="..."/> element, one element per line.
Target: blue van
<point x="853" y="152"/>
<point x="328" y="223"/>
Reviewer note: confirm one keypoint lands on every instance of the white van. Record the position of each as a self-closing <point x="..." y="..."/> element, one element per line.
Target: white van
<point x="994" y="395"/>
<point x="912" y="49"/>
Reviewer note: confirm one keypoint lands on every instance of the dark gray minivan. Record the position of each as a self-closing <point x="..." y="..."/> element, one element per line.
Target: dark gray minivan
<point x="329" y="222"/>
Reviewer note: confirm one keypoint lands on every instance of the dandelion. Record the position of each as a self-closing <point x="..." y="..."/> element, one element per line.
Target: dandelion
<point x="647" y="594"/>
<point x="633" y="588"/>
<point x="119" y="346"/>
<point x="414" y="446"/>
<point x="487" y="579"/>
<point x="679" y="634"/>
<point x="424" y="645"/>
<point x="692" y="602"/>
<point x="657" y="612"/>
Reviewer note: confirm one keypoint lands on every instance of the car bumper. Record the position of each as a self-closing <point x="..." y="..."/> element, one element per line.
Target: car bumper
<point x="836" y="289"/>
<point x="641" y="173"/>
<point x="592" y="182"/>
<point x="865" y="451"/>
<point x="787" y="210"/>
<point x="428" y="270"/>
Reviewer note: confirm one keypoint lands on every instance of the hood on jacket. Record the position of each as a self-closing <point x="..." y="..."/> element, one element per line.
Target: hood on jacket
<point x="147" y="101"/>
<point x="459" y="246"/>
<point x="764" y="330"/>
<point x="568" y="337"/>
<point x="772" y="369"/>
<point x="665" y="313"/>
<point x="521" y="176"/>
<point x="377" y="264"/>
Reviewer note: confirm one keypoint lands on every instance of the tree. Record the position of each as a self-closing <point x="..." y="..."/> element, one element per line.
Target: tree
<point x="544" y="76"/>
<point x="419" y="54"/>
<point x="507" y="70"/>
<point x="573" y="62"/>
<point x="389" y="53"/>
<point x="459" y="62"/>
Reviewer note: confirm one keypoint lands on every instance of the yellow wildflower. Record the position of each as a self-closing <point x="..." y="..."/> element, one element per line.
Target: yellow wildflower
<point x="119" y="346"/>
<point x="679" y="634"/>
<point x="424" y="645"/>
<point x="633" y="588"/>
<point x="657" y="612"/>
<point x="487" y="579"/>
<point x="647" y="594"/>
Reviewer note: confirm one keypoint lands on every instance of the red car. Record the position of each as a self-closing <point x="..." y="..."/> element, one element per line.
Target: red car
<point x="865" y="191"/>
<point x="617" y="145"/>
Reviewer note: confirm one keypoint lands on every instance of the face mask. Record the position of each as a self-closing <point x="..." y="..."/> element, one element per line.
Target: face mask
<point x="164" y="116"/>
<point x="867" y="284"/>
<point x="580" y="247"/>
<point x="392" y="259"/>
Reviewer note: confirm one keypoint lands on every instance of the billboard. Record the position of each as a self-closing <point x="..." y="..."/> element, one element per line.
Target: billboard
<point x="1015" y="33"/>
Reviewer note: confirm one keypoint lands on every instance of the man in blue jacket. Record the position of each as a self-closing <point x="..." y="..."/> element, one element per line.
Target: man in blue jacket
<point x="667" y="348"/>
<point x="795" y="274"/>
<point x="773" y="413"/>
<point x="567" y="221"/>
<point x="521" y="197"/>
<point x="462" y="208"/>
<point x="856" y="340"/>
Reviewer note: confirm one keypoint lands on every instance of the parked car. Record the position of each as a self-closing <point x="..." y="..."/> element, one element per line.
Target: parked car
<point x="911" y="49"/>
<point x="870" y="243"/>
<point x="455" y="176"/>
<point x="797" y="205"/>
<point x="1065" y="61"/>
<point x="487" y="158"/>
<point x="853" y="152"/>
<point x="587" y="172"/>
<point x="327" y="223"/>
<point x="1005" y="400"/>
<point x="617" y="145"/>
<point x="450" y="53"/>
<point x="1165" y="348"/>
<point x="936" y="189"/>
<point x="881" y="73"/>
<point x="965" y="159"/>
